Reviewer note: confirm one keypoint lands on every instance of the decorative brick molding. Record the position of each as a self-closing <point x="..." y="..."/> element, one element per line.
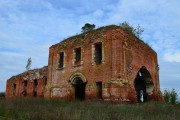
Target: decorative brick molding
<point x="114" y="66"/>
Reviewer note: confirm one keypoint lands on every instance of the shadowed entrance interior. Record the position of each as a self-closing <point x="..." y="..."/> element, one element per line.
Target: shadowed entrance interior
<point x="143" y="84"/>
<point x="35" y="88"/>
<point x="79" y="87"/>
<point x="99" y="90"/>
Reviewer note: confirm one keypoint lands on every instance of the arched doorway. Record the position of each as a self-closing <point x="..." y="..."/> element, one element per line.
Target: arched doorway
<point x="143" y="84"/>
<point x="79" y="87"/>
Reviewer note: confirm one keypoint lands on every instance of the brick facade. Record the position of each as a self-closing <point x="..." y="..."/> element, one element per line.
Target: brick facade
<point x="107" y="63"/>
<point x="28" y="84"/>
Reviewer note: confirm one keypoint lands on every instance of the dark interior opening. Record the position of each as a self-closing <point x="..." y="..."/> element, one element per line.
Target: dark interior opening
<point x="14" y="89"/>
<point x="61" y="60"/>
<point x="143" y="85"/>
<point x="35" y="88"/>
<point x="45" y="81"/>
<point x="79" y="86"/>
<point x="77" y="55"/>
<point x="99" y="89"/>
<point x="140" y="87"/>
<point x="98" y="53"/>
<point x="25" y="88"/>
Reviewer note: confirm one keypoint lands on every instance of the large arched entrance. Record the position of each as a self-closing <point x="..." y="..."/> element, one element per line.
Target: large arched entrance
<point x="143" y="84"/>
<point x="79" y="88"/>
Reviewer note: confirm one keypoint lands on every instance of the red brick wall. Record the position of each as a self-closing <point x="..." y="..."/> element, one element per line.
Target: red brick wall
<point x="124" y="56"/>
<point x="121" y="50"/>
<point x="19" y="79"/>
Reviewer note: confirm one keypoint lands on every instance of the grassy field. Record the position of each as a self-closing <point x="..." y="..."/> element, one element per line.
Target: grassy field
<point x="42" y="109"/>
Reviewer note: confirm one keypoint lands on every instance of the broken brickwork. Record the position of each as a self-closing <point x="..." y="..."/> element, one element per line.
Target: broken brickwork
<point x="107" y="63"/>
<point x="28" y="84"/>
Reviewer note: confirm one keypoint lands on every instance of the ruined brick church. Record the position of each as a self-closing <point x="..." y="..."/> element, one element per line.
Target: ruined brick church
<point x="107" y="63"/>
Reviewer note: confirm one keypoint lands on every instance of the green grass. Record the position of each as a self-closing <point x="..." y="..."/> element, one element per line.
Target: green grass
<point x="43" y="109"/>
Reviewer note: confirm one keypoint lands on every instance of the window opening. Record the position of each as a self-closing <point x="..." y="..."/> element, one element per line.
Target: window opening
<point x="35" y="88"/>
<point x="45" y="82"/>
<point x="98" y="53"/>
<point x="77" y="55"/>
<point x="14" y="89"/>
<point x="61" y="61"/>
<point x="25" y="88"/>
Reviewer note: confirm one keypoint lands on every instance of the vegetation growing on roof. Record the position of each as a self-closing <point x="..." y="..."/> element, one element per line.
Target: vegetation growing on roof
<point x="78" y="42"/>
<point x="78" y="39"/>
<point x="137" y="31"/>
<point x="83" y="35"/>
<point x="87" y="27"/>
<point x="62" y="46"/>
<point x="27" y="74"/>
<point x="13" y="79"/>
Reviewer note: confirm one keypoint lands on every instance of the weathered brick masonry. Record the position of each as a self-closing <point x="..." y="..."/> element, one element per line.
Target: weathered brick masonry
<point x="107" y="63"/>
<point x="28" y="84"/>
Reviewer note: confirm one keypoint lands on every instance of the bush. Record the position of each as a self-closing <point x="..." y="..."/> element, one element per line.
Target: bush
<point x="88" y="27"/>
<point x="166" y="96"/>
<point x="2" y="94"/>
<point x="173" y="97"/>
<point x="170" y="96"/>
<point x="135" y="31"/>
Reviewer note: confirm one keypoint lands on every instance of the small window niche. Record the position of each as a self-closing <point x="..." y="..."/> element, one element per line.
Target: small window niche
<point x="35" y="88"/>
<point x="77" y="56"/>
<point x="99" y="90"/>
<point x="61" y="60"/>
<point x="98" y="53"/>
<point x="25" y="88"/>
<point x="45" y="81"/>
<point x="14" y="89"/>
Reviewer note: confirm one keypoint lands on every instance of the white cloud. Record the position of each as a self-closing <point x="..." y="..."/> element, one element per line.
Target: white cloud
<point x="159" y="19"/>
<point x="98" y="13"/>
<point x="169" y="75"/>
<point x="172" y="56"/>
<point x="30" y="27"/>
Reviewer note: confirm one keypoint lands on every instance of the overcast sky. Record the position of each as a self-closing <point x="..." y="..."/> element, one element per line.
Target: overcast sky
<point x="29" y="27"/>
